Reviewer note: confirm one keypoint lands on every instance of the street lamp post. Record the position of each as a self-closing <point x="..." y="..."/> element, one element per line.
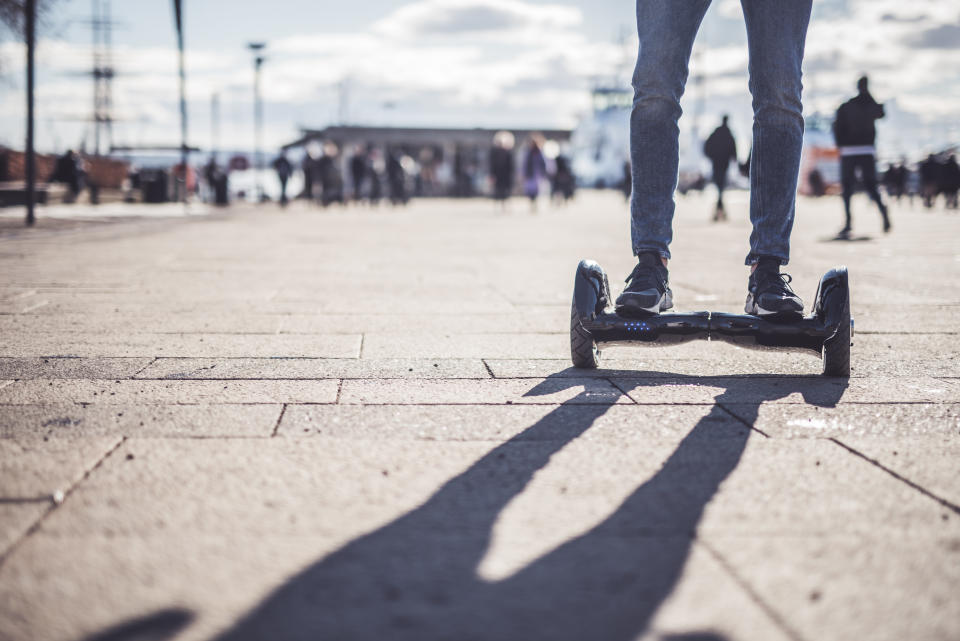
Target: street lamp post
<point x="257" y="49"/>
<point x="30" y="169"/>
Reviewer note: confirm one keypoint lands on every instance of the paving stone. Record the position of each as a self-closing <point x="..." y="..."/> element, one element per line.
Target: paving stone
<point x="210" y="322"/>
<point x="336" y="489"/>
<point x="528" y="319"/>
<point x="845" y="420"/>
<point x="930" y="463"/>
<point x="891" y="318"/>
<point x="74" y="421"/>
<point x="35" y="468"/>
<point x="16" y="518"/>
<point x="184" y="345"/>
<point x="808" y="487"/>
<point x="498" y="423"/>
<point x="815" y="390"/>
<point x="197" y="577"/>
<point x="657" y="364"/>
<point x="23" y="368"/>
<point x="453" y="345"/>
<point x="452" y="392"/>
<point x="153" y="392"/>
<point x="307" y="368"/>
<point x="854" y="587"/>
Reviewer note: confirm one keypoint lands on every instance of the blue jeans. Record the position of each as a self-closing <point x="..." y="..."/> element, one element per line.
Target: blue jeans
<point x="776" y="32"/>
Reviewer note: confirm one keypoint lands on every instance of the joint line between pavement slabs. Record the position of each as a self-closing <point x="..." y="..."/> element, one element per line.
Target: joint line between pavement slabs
<point x="276" y="428"/>
<point x="142" y="369"/>
<point x="56" y="502"/>
<point x="734" y="415"/>
<point x="753" y="595"/>
<point x="487" y="366"/>
<point x="944" y="502"/>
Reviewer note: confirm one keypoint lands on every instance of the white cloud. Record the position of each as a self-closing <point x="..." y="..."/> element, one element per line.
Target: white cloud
<point x="489" y="62"/>
<point x="454" y="18"/>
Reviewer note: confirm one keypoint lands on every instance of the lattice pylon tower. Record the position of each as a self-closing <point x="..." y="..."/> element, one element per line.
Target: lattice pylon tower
<point x="103" y="73"/>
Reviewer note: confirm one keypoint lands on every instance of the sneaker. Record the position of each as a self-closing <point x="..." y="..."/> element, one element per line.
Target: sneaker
<point x="769" y="293"/>
<point x="647" y="291"/>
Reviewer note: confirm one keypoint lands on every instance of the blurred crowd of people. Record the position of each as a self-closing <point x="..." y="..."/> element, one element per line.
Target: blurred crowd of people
<point x="369" y="174"/>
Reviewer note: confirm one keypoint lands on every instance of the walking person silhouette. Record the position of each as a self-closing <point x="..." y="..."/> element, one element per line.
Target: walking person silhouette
<point x="855" y="134"/>
<point x="721" y="149"/>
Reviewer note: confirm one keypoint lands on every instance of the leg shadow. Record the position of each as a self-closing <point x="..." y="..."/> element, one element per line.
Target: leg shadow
<point x="416" y="577"/>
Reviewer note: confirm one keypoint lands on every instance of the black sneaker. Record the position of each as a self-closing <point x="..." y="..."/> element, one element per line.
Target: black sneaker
<point x="647" y="291"/>
<point x="769" y="293"/>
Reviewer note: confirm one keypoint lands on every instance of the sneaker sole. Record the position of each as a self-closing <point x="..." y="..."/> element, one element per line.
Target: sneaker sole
<point x="665" y="303"/>
<point x="770" y="314"/>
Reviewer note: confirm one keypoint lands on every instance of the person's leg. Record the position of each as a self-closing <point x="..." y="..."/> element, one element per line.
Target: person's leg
<point x="666" y="31"/>
<point x="776" y="33"/>
<point x="868" y="171"/>
<point x="720" y="176"/>
<point x="848" y="182"/>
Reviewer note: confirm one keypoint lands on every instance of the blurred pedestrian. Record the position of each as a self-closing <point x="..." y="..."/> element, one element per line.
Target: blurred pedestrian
<point x="375" y="169"/>
<point x="855" y="135"/>
<point x="331" y="180"/>
<point x="534" y="170"/>
<point x="950" y="181"/>
<point x="931" y="176"/>
<point x="562" y="183"/>
<point x="284" y="169"/>
<point x="895" y="180"/>
<point x="626" y="183"/>
<point x="311" y="173"/>
<point x="396" y="178"/>
<point x="67" y="171"/>
<point x="721" y="149"/>
<point x="358" y="173"/>
<point x="502" y="169"/>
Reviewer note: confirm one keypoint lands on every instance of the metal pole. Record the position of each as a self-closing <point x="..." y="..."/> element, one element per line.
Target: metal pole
<point x="183" y="101"/>
<point x="258" y="126"/>
<point x="97" y="70"/>
<point x="30" y="169"/>
<point x="214" y="124"/>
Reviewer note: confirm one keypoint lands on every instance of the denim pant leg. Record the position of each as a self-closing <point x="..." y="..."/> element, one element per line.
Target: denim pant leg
<point x="776" y="33"/>
<point x="667" y="31"/>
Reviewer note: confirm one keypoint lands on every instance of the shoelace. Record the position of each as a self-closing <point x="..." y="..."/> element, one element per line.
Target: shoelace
<point x="779" y="281"/>
<point x="661" y="283"/>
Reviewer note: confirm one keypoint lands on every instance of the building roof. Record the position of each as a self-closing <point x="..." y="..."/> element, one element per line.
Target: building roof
<point x="416" y="135"/>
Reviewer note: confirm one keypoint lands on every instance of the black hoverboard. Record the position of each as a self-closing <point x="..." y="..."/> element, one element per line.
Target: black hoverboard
<point x="828" y="330"/>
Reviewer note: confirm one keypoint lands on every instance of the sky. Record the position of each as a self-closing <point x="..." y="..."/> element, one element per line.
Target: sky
<point x="493" y="63"/>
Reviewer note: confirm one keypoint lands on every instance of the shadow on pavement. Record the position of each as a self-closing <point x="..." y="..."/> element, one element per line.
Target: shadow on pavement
<point x="158" y="626"/>
<point x="416" y="577"/>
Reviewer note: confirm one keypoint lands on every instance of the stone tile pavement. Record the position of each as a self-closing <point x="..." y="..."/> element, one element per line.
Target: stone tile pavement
<point x="363" y="424"/>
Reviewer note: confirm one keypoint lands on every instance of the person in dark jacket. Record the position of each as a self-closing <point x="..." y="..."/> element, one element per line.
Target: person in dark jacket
<point x="331" y="181"/>
<point x="855" y="134"/>
<point x="68" y="170"/>
<point x="721" y="149"/>
<point x="396" y="178"/>
<point x="931" y="177"/>
<point x="562" y="183"/>
<point x="950" y="181"/>
<point x="358" y="173"/>
<point x="284" y="169"/>
<point x="534" y="170"/>
<point x="502" y="169"/>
